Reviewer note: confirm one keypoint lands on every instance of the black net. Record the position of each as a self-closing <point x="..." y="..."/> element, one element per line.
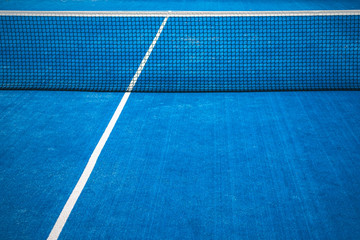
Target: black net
<point x="192" y="54"/>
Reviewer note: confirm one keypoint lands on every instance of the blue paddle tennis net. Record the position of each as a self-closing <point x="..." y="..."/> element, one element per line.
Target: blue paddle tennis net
<point x="194" y="52"/>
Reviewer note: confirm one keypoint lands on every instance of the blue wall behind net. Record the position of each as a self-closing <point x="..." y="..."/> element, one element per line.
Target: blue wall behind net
<point x="176" y="5"/>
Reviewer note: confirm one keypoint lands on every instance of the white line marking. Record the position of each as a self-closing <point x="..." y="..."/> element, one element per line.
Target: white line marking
<point x="64" y="215"/>
<point x="179" y="13"/>
<point x="146" y="57"/>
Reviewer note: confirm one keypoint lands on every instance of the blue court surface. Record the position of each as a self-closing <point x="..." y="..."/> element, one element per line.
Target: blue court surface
<point x="264" y="163"/>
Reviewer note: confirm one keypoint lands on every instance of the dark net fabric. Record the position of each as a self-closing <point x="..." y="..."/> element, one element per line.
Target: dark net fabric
<point x="192" y="54"/>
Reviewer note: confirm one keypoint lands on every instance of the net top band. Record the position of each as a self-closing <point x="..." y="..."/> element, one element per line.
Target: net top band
<point x="179" y="13"/>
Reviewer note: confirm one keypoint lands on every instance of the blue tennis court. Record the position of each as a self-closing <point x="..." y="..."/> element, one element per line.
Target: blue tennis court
<point x="179" y="120"/>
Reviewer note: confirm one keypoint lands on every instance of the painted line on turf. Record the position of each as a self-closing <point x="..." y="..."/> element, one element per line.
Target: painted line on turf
<point x="65" y="213"/>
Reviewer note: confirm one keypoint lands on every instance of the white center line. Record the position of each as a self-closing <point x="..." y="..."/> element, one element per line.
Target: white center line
<point x="64" y="215"/>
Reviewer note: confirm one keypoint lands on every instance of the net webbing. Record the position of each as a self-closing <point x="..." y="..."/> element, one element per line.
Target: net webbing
<point x="224" y="52"/>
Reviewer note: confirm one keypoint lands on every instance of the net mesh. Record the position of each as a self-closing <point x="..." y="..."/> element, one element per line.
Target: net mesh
<point x="192" y="54"/>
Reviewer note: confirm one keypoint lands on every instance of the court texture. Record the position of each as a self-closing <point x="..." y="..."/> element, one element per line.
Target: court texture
<point x="179" y="119"/>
